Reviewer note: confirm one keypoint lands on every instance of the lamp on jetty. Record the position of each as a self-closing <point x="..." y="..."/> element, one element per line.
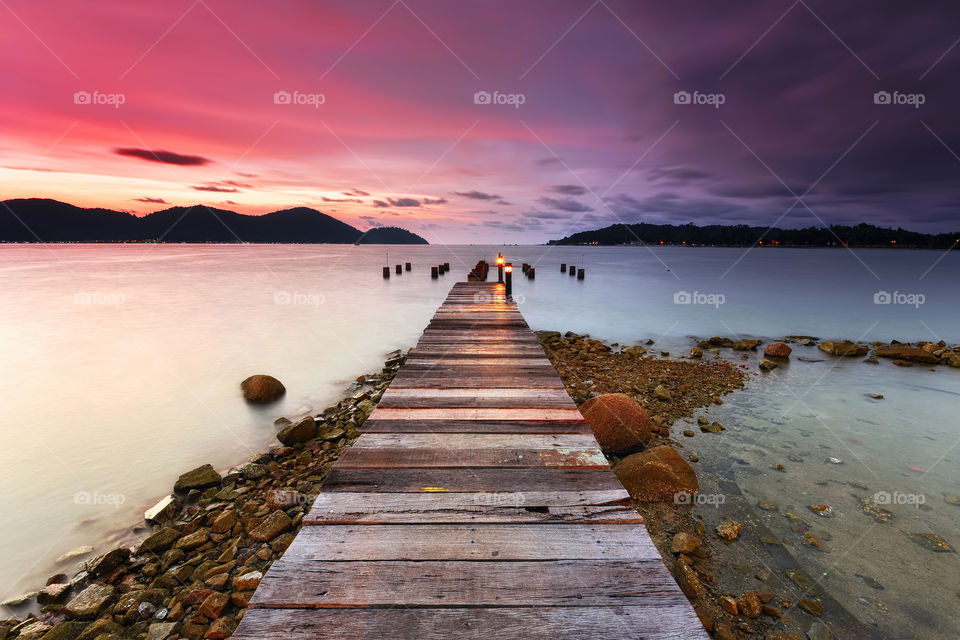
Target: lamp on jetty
<point x="509" y="280"/>
<point x="499" y="267"/>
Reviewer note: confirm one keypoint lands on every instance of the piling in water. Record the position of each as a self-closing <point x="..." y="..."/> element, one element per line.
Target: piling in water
<point x="580" y="274"/>
<point x="573" y="270"/>
<point x="399" y="269"/>
<point x="563" y="267"/>
<point x="434" y="272"/>
<point x="386" y="272"/>
<point x="408" y="266"/>
<point x="531" y="273"/>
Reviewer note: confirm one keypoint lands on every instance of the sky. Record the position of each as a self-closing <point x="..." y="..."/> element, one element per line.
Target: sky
<point x="489" y="121"/>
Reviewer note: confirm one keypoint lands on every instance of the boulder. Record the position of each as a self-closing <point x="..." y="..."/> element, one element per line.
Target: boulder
<point x="777" y="350"/>
<point x="767" y="365"/>
<point x="166" y="509"/>
<point x="199" y="478"/>
<point x="715" y="341"/>
<point x="618" y="422"/>
<point x="745" y="345"/>
<point x="90" y="602"/>
<point x="271" y="526"/>
<point x="662" y="393"/>
<point x="261" y="389"/>
<point x="843" y="348"/>
<point x="108" y="562"/>
<point x="696" y="352"/>
<point x="635" y="352"/>
<point x="910" y="354"/>
<point x="656" y="475"/>
<point x="301" y="431"/>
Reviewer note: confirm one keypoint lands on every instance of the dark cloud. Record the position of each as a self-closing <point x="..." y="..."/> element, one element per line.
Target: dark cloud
<point x="434" y="201"/>
<point x="404" y="202"/>
<point x="380" y="204"/>
<point x="569" y="189"/>
<point x="150" y="200"/>
<point x="326" y="199"/>
<point x="477" y="195"/>
<point x="355" y="192"/>
<point x="564" y="204"/>
<point x="373" y="221"/>
<point x="214" y="188"/>
<point x="678" y="174"/>
<point x="545" y="215"/>
<point x="165" y="157"/>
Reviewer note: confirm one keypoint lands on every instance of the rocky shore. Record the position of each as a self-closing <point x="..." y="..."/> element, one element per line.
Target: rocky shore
<point x="741" y="581"/>
<point x="209" y="542"/>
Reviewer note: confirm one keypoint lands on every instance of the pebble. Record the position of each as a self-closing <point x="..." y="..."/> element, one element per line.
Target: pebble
<point x="729" y="530"/>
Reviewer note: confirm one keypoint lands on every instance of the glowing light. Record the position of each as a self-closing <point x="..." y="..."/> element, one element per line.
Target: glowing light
<point x="509" y="268"/>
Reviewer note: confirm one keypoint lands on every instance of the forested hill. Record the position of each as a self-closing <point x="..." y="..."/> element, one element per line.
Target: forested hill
<point x="861" y="235"/>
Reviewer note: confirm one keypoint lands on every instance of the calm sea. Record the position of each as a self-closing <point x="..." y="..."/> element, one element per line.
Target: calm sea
<point x="120" y="368"/>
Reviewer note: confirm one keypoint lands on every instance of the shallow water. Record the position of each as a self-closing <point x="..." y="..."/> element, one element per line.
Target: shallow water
<point x="121" y="365"/>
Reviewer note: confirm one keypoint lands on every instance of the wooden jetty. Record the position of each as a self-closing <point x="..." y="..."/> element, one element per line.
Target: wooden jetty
<point x="476" y="504"/>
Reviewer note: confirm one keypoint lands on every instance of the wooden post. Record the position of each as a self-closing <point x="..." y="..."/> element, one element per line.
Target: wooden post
<point x="408" y="266"/>
<point x="386" y="272"/>
<point x="399" y="269"/>
<point x="434" y="273"/>
<point x="508" y="268"/>
<point x="573" y="270"/>
<point x="499" y="267"/>
<point x="580" y="274"/>
<point x="532" y="273"/>
<point x="563" y="267"/>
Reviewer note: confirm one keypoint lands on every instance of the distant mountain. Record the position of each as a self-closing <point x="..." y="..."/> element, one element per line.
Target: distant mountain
<point x="42" y="220"/>
<point x="741" y="235"/>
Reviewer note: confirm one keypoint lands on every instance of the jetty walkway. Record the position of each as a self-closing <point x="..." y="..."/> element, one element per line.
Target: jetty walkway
<point x="475" y="504"/>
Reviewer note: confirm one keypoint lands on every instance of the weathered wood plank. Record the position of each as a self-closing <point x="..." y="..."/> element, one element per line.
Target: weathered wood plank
<point x="424" y="458"/>
<point x="470" y="480"/>
<point x="647" y="620"/>
<point x="294" y="582"/>
<point x="545" y="413"/>
<point x="474" y="426"/>
<point x="521" y="507"/>
<point x="399" y="442"/>
<point x="499" y="542"/>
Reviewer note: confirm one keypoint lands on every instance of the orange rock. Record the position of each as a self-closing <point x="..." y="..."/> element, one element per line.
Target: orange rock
<point x="618" y="422"/>
<point x="777" y="350"/>
<point x="657" y="475"/>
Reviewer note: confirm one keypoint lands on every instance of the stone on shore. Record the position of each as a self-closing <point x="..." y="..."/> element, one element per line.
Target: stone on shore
<point x="75" y="553"/>
<point x="90" y="602"/>
<point x="768" y="365"/>
<point x="262" y="389"/>
<point x="271" y="526"/>
<point x="199" y="478"/>
<point x="618" y="422"/>
<point x="657" y="475"/>
<point x="729" y="530"/>
<point x="910" y="354"/>
<point x="108" y="562"/>
<point x="161" y="631"/>
<point x="301" y="431"/>
<point x="715" y="341"/>
<point x="635" y="352"/>
<point x="746" y="345"/>
<point x="843" y="348"/>
<point x="778" y="350"/>
<point x="684" y="543"/>
<point x="166" y="509"/>
<point x="696" y="352"/>
<point x="52" y="593"/>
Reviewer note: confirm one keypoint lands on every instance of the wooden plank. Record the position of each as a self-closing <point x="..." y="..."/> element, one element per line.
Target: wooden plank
<point x="522" y="507"/>
<point x="499" y="542"/>
<point x="470" y="480"/>
<point x="646" y="620"/>
<point x="546" y="413"/>
<point x="295" y="582"/>
<point x="475" y="426"/>
<point x="400" y="442"/>
<point x="496" y="392"/>
<point x="424" y="458"/>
